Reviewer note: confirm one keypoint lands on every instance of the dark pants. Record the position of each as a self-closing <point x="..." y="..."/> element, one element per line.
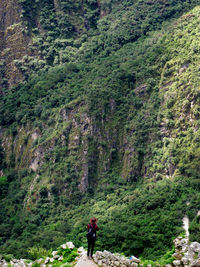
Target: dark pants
<point x="91" y="243"/>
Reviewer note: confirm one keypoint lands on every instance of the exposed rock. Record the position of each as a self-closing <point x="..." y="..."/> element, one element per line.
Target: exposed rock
<point x="13" y="42"/>
<point x="81" y="250"/>
<point x="134" y="259"/>
<point x="54" y="253"/>
<point x="177" y="263"/>
<point x="56" y="257"/>
<point x="106" y="258"/>
<point x="140" y="90"/>
<point x="40" y="261"/>
<point x="190" y="253"/>
<point x="47" y="260"/>
<point x="177" y="256"/>
<point x="70" y="245"/>
<point x="60" y="258"/>
<point x="64" y="246"/>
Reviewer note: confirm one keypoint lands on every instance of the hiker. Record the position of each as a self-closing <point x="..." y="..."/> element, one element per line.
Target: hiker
<point x="92" y="227"/>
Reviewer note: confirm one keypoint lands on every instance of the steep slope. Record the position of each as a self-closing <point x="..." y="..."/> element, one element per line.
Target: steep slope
<point x="113" y="131"/>
<point x="13" y="43"/>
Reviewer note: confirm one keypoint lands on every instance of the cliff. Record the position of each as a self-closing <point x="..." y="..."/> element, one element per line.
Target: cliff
<point x="105" y="122"/>
<point x="14" y="43"/>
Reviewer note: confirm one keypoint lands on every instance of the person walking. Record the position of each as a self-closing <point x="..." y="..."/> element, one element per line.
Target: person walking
<point x="92" y="228"/>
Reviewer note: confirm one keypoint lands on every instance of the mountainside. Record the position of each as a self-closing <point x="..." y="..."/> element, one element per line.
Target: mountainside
<point x="99" y="117"/>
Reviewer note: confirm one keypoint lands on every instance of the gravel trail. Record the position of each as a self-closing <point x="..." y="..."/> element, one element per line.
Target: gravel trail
<point x="84" y="261"/>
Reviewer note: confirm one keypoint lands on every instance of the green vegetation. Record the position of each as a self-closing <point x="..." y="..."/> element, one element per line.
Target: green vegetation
<point x="114" y="99"/>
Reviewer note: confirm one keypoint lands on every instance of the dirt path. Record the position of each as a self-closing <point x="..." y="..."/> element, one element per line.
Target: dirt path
<point x="85" y="262"/>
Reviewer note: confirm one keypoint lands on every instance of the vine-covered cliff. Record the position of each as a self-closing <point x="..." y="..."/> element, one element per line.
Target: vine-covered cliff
<point x="99" y="116"/>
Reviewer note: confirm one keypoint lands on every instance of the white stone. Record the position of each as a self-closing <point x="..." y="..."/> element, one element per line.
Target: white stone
<point x="54" y="252"/>
<point x="98" y="253"/>
<point x="56" y="257"/>
<point x="22" y="263"/>
<point x="81" y="250"/>
<point x="40" y="260"/>
<point x="133" y="258"/>
<point x="195" y="246"/>
<point x="185" y="260"/>
<point x="134" y="264"/>
<point x="61" y="258"/>
<point x="64" y="246"/>
<point x="46" y="260"/>
<point x="70" y="245"/>
<point x="105" y="253"/>
<point x="177" y="263"/>
<point x="95" y="259"/>
<point x="99" y="262"/>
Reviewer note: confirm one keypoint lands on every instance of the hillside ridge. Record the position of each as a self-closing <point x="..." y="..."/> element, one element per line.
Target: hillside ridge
<point x="105" y="123"/>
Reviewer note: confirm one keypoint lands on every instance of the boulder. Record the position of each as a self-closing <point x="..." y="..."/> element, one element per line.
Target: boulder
<point x="56" y="257"/>
<point x="60" y="258"/>
<point x="95" y="258"/>
<point x="177" y="263"/>
<point x="81" y="250"/>
<point x="177" y="256"/>
<point x="47" y="260"/>
<point x="185" y="261"/>
<point x="40" y="260"/>
<point x="134" y="264"/>
<point x="99" y="262"/>
<point x="64" y="246"/>
<point x="54" y="253"/>
<point x="70" y="245"/>
<point x="134" y="259"/>
<point x="195" y="247"/>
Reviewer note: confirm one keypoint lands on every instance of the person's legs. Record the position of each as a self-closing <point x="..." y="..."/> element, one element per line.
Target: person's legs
<point x="89" y="246"/>
<point x="92" y="247"/>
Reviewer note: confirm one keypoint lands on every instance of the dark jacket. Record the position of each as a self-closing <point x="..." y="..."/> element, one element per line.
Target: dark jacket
<point x="94" y="226"/>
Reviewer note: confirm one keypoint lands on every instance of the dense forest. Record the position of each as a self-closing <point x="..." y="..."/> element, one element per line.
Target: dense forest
<point x="104" y="122"/>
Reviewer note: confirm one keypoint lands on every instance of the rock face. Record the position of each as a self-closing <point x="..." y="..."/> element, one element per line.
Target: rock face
<point x="186" y="254"/>
<point x="106" y="258"/>
<point x="13" y="43"/>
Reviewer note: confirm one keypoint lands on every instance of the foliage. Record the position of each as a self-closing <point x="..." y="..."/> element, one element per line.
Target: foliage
<point x="135" y="82"/>
<point x="37" y="252"/>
